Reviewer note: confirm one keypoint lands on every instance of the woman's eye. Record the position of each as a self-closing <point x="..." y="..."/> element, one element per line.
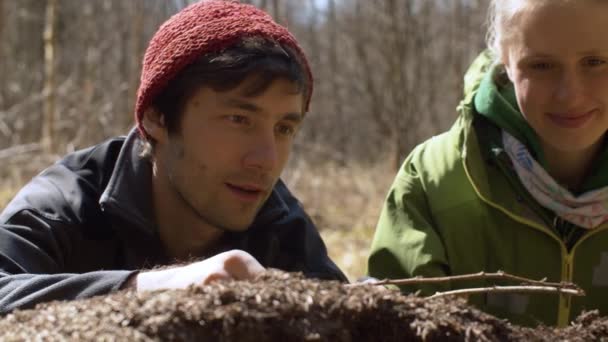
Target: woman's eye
<point x="541" y="65"/>
<point x="594" y="61"/>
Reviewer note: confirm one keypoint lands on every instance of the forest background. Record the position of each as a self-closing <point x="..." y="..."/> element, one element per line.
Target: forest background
<point x="388" y="75"/>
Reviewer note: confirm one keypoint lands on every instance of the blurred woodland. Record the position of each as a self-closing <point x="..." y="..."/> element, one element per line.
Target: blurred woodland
<point x="388" y="75"/>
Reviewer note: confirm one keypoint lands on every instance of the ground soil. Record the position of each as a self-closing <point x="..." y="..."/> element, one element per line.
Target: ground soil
<point x="277" y="307"/>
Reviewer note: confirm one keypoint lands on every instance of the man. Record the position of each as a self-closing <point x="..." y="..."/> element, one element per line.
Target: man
<point x="223" y="91"/>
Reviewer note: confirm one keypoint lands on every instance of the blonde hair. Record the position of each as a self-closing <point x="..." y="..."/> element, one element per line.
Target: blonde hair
<point x="500" y="14"/>
<point x="502" y="17"/>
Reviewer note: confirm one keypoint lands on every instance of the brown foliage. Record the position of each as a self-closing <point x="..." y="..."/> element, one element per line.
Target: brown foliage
<point x="387" y="73"/>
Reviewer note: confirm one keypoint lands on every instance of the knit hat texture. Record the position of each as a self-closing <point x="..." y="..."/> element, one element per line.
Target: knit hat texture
<point x="199" y="29"/>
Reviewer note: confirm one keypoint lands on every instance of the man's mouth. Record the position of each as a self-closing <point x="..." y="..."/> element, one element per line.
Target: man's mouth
<point x="246" y="192"/>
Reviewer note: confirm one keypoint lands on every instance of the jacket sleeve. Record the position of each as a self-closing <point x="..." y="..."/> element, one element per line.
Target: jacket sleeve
<point x="40" y="238"/>
<point x="406" y="243"/>
<point x="32" y="265"/>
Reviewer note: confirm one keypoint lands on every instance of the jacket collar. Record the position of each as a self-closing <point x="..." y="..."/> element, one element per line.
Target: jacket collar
<point x="499" y="105"/>
<point x="479" y="155"/>
<point x="129" y="191"/>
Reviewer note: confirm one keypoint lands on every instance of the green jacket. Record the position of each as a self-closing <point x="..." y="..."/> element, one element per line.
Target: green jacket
<point x="456" y="207"/>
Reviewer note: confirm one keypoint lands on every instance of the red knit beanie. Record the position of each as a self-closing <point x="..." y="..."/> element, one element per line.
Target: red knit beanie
<point x="202" y="28"/>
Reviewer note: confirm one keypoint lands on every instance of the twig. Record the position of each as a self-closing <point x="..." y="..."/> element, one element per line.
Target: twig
<point x="475" y="276"/>
<point x="510" y="289"/>
<point x="527" y="285"/>
<point x="19" y="149"/>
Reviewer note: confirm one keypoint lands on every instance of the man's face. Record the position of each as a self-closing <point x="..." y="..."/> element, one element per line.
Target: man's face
<point x="230" y="151"/>
<point x="557" y="58"/>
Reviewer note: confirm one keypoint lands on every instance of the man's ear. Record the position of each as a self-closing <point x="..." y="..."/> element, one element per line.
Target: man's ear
<point x="154" y="124"/>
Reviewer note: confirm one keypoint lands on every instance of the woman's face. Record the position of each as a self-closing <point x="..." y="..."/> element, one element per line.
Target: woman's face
<point x="557" y="57"/>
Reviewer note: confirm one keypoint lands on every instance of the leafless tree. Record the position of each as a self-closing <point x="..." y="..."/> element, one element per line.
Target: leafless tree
<point x="49" y="88"/>
<point x="388" y="73"/>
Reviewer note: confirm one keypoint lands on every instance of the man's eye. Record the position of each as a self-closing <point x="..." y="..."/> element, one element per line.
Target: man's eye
<point x="285" y="130"/>
<point x="237" y="119"/>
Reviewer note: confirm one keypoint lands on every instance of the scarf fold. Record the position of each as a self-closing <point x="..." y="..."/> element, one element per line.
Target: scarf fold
<point x="588" y="210"/>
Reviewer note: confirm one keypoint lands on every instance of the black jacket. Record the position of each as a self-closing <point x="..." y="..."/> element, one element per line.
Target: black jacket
<point x="83" y="225"/>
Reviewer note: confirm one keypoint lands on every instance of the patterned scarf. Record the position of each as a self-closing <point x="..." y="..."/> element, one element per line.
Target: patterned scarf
<point x="589" y="210"/>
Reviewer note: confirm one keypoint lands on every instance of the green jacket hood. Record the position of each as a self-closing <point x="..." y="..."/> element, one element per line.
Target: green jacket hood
<point x="498" y="103"/>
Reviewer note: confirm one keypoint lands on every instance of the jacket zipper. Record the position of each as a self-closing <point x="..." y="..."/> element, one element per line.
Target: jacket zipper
<point x="564" y="306"/>
<point x="563" y="311"/>
<point x="568" y="269"/>
<point x="567" y="264"/>
<point x="565" y="303"/>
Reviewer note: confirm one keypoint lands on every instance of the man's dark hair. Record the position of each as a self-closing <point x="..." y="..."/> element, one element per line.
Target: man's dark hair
<point x="225" y="70"/>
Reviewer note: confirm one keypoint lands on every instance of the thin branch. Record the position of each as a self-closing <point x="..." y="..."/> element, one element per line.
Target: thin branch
<point x="510" y="289"/>
<point x="527" y="285"/>
<point x="500" y="275"/>
<point x="19" y="150"/>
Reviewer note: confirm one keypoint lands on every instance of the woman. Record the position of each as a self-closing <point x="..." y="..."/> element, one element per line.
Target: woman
<point x="520" y="182"/>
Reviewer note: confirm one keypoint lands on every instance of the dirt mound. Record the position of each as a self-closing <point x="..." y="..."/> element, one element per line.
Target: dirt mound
<point x="276" y="306"/>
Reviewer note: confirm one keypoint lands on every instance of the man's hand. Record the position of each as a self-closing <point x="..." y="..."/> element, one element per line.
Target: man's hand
<point x="234" y="264"/>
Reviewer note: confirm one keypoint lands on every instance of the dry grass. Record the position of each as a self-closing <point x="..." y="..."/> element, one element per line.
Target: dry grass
<point x="6" y="193"/>
<point x="344" y="202"/>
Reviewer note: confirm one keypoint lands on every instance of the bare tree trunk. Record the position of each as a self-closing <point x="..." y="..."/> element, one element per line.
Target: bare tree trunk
<point x="376" y="106"/>
<point x="287" y="13"/>
<point x="137" y="28"/>
<point x="314" y="50"/>
<point x="334" y="67"/>
<point x="91" y="43"/>
<point x="1" y="16"/>
<point x="49" y="77"/>
<point x="2" y="19"/>
<point x="333" y="57"/>
<point x="276" y="12"/>
<point x="2" y="58"/>
<point x="264" y="5"/>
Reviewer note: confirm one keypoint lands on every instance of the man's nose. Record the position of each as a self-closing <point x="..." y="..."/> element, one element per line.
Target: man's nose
<point x="262" y="154"/>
